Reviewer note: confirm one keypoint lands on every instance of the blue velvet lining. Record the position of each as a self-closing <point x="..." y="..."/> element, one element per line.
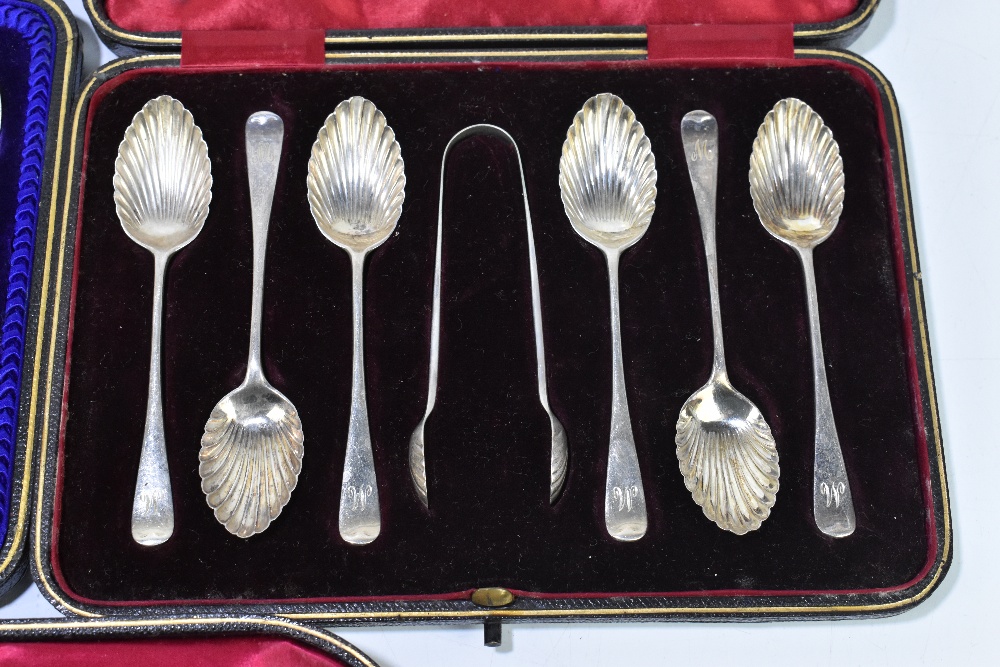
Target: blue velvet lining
<point x="27" y="60"/>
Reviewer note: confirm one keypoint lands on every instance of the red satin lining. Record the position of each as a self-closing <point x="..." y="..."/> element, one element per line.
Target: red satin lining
<point x="252" y="48"/>
<point x="219" y="652"/>
<point x="769" y="41"/>
<point x="175" y="15"/>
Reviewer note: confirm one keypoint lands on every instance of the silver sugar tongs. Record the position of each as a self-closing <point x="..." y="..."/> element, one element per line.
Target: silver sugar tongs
<point x="560" y="452"/>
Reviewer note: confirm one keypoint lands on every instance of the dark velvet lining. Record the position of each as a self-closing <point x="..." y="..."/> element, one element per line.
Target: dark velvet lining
<point x="490" y="522"/>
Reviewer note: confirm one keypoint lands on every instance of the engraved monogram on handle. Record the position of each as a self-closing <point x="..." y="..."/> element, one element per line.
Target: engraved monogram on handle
<point x="359" y="496"/>
<point x="625" y="497"/>
<point x="833" y="493"/>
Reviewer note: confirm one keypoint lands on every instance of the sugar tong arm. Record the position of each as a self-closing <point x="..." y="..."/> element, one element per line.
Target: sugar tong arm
<point x="560" y="450"/>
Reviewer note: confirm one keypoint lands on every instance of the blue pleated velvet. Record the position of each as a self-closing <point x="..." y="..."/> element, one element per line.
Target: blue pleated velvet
<point x="27" y="55"/>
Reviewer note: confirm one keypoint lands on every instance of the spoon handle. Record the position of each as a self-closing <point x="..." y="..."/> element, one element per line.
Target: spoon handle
<point x="360" y="518"/>
<point x="833" y="507"/>
<point x="265" y="133"/>
<point x="153" y="507"/>
<point x="624" y="498"/>
<point x="700" y="135"/>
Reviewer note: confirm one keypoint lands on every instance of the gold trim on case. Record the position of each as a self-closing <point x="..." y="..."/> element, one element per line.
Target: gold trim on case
<point x="637" y="35"/>
<point x="906" y="213"/>
<point x="56" y="11"/>
<point x="842" y="27"/>
<point x="917" y="284"/>
<point x="499" y="53"/>
<point x="159" y="623"/>
<point x="44" y="327"/>
<point x="98" y="20"/>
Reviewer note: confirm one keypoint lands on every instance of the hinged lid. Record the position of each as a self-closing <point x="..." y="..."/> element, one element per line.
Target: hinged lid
<point x="37" y="79"/>
<point x="222" y="641"/>
<point x="445" y="28"/>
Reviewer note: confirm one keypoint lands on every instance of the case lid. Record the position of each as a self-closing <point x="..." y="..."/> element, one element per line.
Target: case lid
<point x="38" y="70"/>
<point x="130" y="25"/>
<point x="158" y="16"/>
<point x="216" y="641"/>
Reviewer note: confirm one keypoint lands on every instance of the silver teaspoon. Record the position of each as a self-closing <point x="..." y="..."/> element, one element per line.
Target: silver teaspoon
<point x="163" y="185"/>
<point x="251" y="452"/>
<point x="607" y="178"/>
<point x="355" y="185"/>
<point x="559" y="453"/>
<point x="725" y="448"/>
<point x="797" y="185"/>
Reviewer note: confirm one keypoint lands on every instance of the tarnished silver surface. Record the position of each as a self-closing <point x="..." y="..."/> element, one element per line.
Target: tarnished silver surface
<point x="797" y="185"/>
<point x="355" y="185"/>
<point x="607" y="177"/>
<point x="251" y="452"/>
<point x="724" y="447"/>
<point x="559" y="455"/>
<point x="163" y="186"/>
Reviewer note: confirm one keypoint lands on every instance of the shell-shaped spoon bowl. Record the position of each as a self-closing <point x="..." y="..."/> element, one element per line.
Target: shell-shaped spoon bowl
<point x="252" y="448"/>
<point x="162" y="189"/>
<point x="356" y="178"/>
<point x="163" y="177"/>
<point x="727" y="456"/>
<point x="796" y="175"/>
<point x="251" y="456"/>
<point x="607" y="174"/>
<point x="797" y="185"/>
<point x="607" y="180"/>
<point x="725" y="449"/>
<point x="355" y="186"/>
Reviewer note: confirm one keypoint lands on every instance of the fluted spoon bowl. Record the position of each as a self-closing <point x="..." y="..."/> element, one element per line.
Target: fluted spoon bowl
<point x="607" y="178"/>
<point x="797" y="185"/>
<point x="252" y="448"/>
<point x="355" y="186"/>
<point x="724" y="447"/>
<point x="163" y="185"/>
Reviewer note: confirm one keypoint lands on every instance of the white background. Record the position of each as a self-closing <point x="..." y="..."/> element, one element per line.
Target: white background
<point x="944" y="62"/>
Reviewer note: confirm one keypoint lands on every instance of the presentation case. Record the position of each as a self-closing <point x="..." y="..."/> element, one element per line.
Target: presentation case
<point x="490" y="547"/>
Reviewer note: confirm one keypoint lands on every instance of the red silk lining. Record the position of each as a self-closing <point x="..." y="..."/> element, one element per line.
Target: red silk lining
<point x="173" y="15"/>
<point x="249" y="48"/>
<point x="218" y="652"/>
<point x="768" y="41"/>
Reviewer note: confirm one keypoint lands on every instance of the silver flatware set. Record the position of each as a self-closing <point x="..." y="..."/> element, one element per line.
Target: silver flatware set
<point x="252" y="450"/>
